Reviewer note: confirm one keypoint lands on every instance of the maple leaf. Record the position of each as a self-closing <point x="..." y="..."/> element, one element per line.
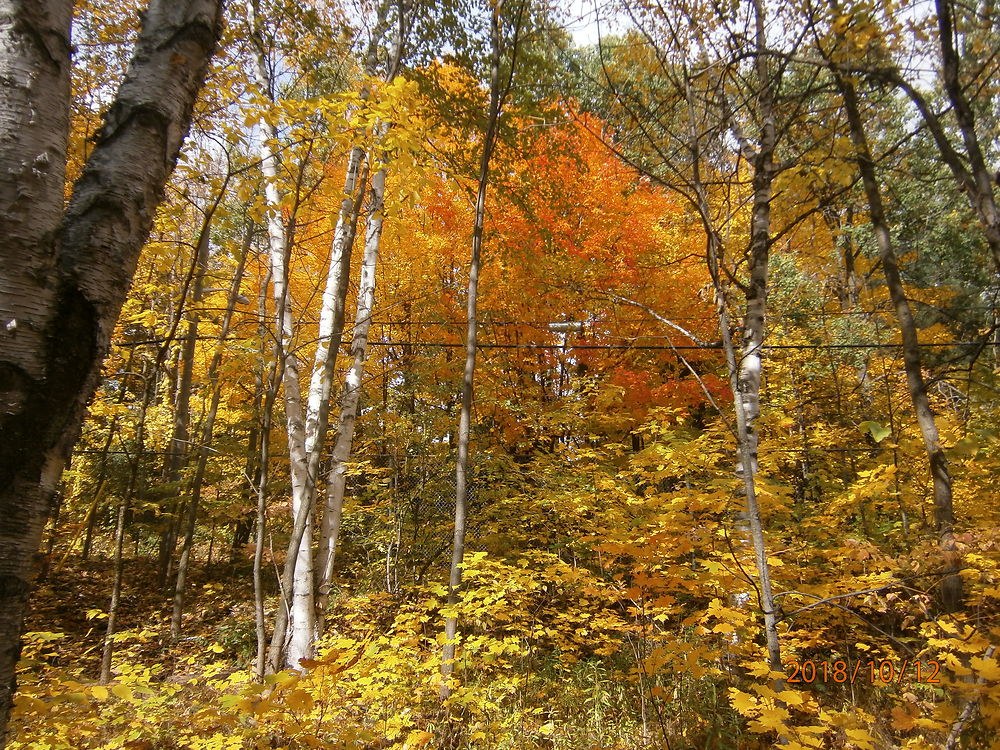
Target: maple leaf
<point x="902" y="720"/>
<point x="987" y="669"/>
<point x="745" y="703"/>
<point x="770" y="720"/>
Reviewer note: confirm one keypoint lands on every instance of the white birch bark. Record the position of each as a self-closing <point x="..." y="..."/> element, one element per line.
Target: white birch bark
<point x="295" y="629"/>
<point x="747" y="377"/>
<point x="65" y="275"/>
<point x="293" y="610"/>
<point x="337" y="479"/>
<point x="745" y="372"/>
<point x="304" y="628"/>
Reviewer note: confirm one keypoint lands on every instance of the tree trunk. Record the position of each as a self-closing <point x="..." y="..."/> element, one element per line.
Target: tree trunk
<point x="295" y="627"/>
<point x="747" y="381"/>
<point x="978" y="181"/>
<point x="116" y="590"/>
<point x="304" y="628"/>
<point x="497" y="97"/>
<point x="212" y="376"/>
<point x="336" y="483"/>
<point x="271" y="390"/>
<point x="745" y="373"/>
<point x="284" y="323"/>
<point x="181" y="437"/>
<point x="34" y="118"/>
<point x="148" y="393"/>
<point x="951" y="583"/>
<point x="66" y="275"/>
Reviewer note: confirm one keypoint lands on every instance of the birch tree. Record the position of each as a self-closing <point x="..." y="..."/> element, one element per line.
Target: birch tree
<point x="284" y="321"/>
<point x="707" y="119"/>
<point x="351" y="393"/>
<point x="67" y="271"/>
<point x="295" y="629"/>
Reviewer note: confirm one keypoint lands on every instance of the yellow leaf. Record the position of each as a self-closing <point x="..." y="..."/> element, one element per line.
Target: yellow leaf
<point x="791" y="697"/>
<point x="122" y="691"/>
<point x="418" y="738"/>
<point x="771" y="720"/>
<point x="901" y="719"/>
<point x="987" y="669"/>
<point x="860" y="737"/>
<point x="100" y="692"/>
<point x="300" y="700"/>
<point x="745" y="703"/>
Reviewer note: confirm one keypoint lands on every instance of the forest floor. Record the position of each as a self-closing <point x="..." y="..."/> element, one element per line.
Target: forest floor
<point x="72" y="599"/>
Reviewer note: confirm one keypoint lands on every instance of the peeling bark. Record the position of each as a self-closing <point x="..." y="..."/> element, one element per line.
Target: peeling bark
<point x="66" y="275"/>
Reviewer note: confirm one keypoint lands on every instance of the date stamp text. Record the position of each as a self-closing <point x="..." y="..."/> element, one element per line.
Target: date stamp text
<point x="883" y="672"/>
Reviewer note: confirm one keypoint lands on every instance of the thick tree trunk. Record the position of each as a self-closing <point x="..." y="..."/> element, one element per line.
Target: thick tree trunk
<point x="62" y="284"/>
<point x="34" y="120"/>
<point x="951" y="583"/>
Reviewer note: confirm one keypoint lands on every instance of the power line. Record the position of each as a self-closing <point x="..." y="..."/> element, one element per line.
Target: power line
<point x="609" y="347"/>
<point x="637" y="319"/>
<point x="667" y="347"/>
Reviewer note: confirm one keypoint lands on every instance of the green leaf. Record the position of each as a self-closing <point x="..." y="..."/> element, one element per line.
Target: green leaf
<point x="877" y="431"/>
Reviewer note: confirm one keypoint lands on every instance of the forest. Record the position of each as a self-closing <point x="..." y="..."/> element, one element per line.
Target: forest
<point x="499" y="374"/>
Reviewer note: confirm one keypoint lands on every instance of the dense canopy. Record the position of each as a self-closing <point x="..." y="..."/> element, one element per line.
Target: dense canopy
<point x="501" y="375"/>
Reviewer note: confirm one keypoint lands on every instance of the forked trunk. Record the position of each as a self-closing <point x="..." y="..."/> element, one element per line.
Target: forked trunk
<point x="66" y="274"/>
<point x="337" y="480"/>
